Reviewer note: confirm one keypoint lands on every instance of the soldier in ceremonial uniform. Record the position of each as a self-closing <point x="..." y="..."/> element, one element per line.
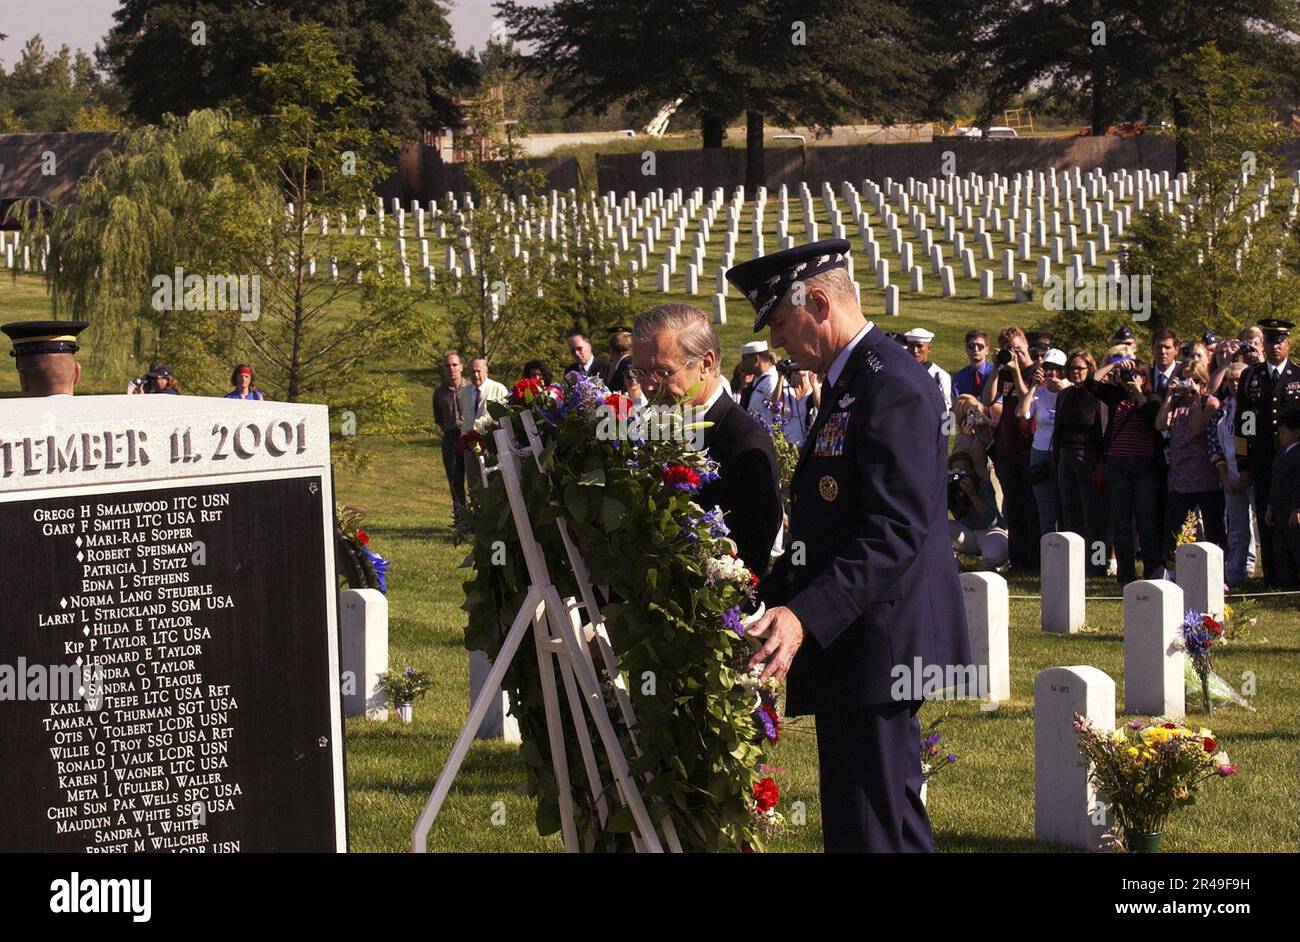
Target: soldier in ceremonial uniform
<point x="45" y="354"/>
<point x="1266" y="390"/>
<point x="866" y="596"/>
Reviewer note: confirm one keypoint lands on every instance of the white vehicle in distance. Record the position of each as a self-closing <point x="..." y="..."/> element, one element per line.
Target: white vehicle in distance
<point x="991" y="133"/>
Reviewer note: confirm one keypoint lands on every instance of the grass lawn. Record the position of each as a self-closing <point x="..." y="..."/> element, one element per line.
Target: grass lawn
<point x="983" y="803"/>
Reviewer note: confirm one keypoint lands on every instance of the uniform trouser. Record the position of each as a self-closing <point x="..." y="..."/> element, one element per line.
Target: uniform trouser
<point x="989" y="545"/>
<point x="1019" y="510"/>
<point x="1083" y="511"/>
<point x="1133" y="492"/>
<point x="1239" y="559"/>
<point x="453" y="462"/>
<point x="869" y="760"/>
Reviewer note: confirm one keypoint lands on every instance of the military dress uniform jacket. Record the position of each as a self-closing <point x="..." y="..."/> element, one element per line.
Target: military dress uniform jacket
<point x="1265" y="399"/>
<point x="869" y="568"/>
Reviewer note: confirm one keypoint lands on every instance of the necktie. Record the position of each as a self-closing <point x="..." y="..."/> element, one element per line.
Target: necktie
<point x="455" y="407"/>
<point x="476" y="399"/>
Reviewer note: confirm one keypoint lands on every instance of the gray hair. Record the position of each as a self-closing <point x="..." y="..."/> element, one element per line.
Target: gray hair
<point x="695" y="335"/>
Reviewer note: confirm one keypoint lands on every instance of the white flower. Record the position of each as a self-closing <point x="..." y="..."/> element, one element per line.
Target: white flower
<point x="726" y="569"/>
<point x="484" y="425"/>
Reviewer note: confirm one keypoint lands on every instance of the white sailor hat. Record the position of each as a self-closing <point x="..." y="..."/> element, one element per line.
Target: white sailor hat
<point x="754" y="346"/>
<point x="919" y="335"/>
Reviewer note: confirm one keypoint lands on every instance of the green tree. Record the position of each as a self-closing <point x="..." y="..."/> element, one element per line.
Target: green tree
<point x="1229" y="253"/>
<point x="59" y="92"/>
<point x="1120" y="60"/>
<point x="174" y="56"/>
<point x="773" y="60"/>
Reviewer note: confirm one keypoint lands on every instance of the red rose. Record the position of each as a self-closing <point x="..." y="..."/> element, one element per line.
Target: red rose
<point x="745" y="848"/>
<point x="753" y="579"/>
<point x="1210" y="744"/>
<point x="681" y="477"/>
<point x="771" y="714"/>
<point x="469" y="440"/>
<point x="362" y="538"/>
<point x="523" y="391"/>
<point x="766" y="795"/>
<point x="620" y="405"/>
<point x="1170" y="726"/>
<point x="1215" y="628"/>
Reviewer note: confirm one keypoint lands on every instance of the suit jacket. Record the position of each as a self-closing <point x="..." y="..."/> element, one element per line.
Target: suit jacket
<point x="615" y="375"/>
<point x="599" y="367"/>
<point x="1284" y="491"/>
<point x="491" y="391"/>
<point x="869" y="568"/>
<point x="748" y="489"/>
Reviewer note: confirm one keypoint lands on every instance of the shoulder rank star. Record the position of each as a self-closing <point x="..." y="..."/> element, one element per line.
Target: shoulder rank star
<point x="847" y="400"/>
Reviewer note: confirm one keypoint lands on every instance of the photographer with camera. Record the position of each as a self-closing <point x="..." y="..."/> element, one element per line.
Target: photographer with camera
<point x="159" y="379"/>
<point x="1046" y="381"/>
<point x="1238" y="495"/>
<point x="1012" y="443"/>
<point x="792" y="399"/>
<point x="1193" y="482"/>
<point x="1129" y="477"/>
<point x="976" y="527"/>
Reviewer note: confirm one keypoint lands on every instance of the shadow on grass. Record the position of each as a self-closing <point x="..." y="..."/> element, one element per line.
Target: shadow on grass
<point x="956" y="841"/>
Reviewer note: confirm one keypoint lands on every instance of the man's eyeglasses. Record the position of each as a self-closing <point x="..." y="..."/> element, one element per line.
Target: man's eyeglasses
<point x="657" y="376"/>
<point x="976" y="346"/>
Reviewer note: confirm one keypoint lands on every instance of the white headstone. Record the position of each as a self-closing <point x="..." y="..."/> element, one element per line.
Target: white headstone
<point x="363" y="651"/>
<point x="1199" y="571"/>
<point x="1067" y="809"/>
<point x="986" y="283"/>
<point x="987" y="620"/>
<point x="497" y="724"/>
<point x="891" y="301"/>
<point x="1062" y="560"/>
<point x="947" y="281"/>
<point x="1153" y="665"/>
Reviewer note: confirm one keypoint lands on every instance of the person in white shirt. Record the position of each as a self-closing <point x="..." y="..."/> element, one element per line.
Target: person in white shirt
<point x="758" y="358"/>
<point x="476" y="394"/>
<point x="1045" y="384"/>
<point x="919" y="341"/>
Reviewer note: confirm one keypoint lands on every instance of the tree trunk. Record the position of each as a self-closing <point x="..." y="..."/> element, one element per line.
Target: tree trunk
<point x="713" y="127"/>
<point x="1100" y="119"/>
<point x="754" y="174"/>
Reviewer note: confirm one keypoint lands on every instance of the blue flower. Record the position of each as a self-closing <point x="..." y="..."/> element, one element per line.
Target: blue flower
<point x="731" y="619"/>
<point x="717" y="526"/>
<point x="379" y="565"/>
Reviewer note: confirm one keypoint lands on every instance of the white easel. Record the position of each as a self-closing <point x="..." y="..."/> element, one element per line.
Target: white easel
<point x="558" y="632"/>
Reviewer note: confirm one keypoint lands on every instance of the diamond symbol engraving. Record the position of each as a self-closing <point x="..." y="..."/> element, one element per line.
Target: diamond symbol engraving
<point x="86" y="630"/>
<point x="78" y="541"/>
<point x="80" y="557"/>
<point x="63" y="603"/>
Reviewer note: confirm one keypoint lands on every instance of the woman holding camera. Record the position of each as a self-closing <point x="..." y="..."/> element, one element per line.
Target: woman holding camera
<point x="1130" y="447"/>
<point x="1193" y="482"/>
<point x="1045" y="385"/>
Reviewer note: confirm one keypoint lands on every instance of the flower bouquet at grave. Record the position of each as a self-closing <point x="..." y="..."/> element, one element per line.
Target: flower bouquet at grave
<point x="677" y="594"/>
<point x="360" y="566"/>
<point x="1200" y="633"/>
<point x="1147" y="770"/>
<point x="404" y="688"/>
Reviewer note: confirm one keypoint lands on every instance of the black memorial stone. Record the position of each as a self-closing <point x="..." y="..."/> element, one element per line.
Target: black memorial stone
<point x="200" y="619"/>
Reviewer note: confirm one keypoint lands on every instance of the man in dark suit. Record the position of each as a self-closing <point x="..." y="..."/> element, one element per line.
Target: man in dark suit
<point x="584" y="361"/>
<point x="1265" y="391"/>
<point x="675" y="358"/>
<point x="620" y="359"/>
<point x="866" y="595"/>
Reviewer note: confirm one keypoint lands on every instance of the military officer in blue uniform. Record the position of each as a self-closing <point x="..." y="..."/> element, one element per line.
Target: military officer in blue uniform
<point x="866" y="595"/>
<point x="1264" y="392"/>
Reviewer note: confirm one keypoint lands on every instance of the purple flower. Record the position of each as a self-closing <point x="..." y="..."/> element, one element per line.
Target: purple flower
<point x="952" y="757"/>
<point x="409" y="672"/>
<point x="731" y="619"/>
<point x="932" y="739"/>
<point x="379" y="565"/>
<point x="769" y="725"/>
<point x="1134" y="724"/>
